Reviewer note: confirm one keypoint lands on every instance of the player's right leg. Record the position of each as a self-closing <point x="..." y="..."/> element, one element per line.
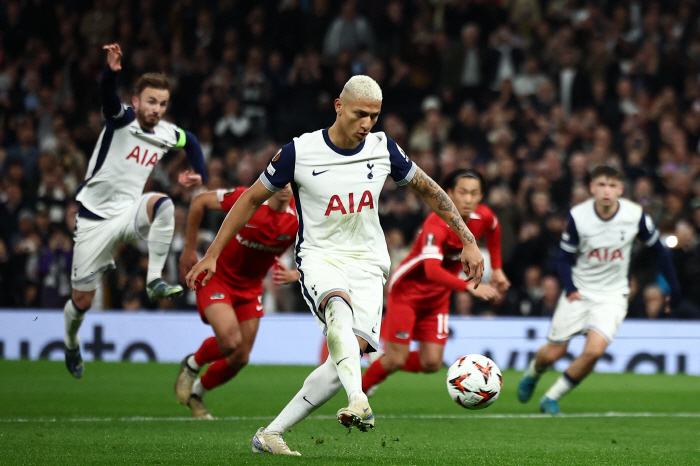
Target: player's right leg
<point x="95" y="242"/>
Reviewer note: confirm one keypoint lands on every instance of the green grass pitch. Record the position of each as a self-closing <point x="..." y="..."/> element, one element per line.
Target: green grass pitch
<point x="122" y="413"/>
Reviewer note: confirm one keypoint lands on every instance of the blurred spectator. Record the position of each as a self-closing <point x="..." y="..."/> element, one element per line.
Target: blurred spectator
<point x="348" y="32"/>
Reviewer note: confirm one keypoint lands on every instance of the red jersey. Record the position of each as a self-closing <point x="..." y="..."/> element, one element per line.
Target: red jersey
<point x="245" y="260"/>
<point x="424" y="280"/>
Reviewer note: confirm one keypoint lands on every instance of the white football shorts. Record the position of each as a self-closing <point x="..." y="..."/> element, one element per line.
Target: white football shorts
<point x="601" y="312"/>
<point x="320" y="276"/>
<point x="97" y="240"/>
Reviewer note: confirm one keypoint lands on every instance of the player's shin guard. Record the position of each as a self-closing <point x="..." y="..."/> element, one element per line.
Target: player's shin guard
<point x="73" y="319"/>
<point x="159" y="237"/>
<point x="319" y="387"/>
<point x="218" y="373"/>
<point x="343" y="346"/>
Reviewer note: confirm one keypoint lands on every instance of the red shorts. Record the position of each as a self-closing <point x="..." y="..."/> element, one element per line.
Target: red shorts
<point x="246" y="303"/>
<point x="404" y="322"/>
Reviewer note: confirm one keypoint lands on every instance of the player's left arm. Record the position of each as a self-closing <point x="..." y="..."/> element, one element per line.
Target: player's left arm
<point x="493" y="244"/>
<point x="195" y="157"/>
<point x="440" y="202"/>
<point x="649" y="235"/>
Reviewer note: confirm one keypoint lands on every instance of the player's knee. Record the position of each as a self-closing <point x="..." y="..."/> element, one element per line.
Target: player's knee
<point x="229" y="343"/>
<point x="239" y="358"/>
<point x="83" y="299"/>
<point x="592" y="354"/>
<point x="430" y="366"/>
<point x="162" y="206"/>
<point x="394" y="362"/>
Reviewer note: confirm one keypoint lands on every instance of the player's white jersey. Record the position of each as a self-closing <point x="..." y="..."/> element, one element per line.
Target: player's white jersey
<point x="337" y="192"/>
<point x="603" y="247"/>
<point x="122" y="161"/>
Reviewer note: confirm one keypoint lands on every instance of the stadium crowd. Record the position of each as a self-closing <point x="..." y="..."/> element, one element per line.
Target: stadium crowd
<point x="532" y="93"/>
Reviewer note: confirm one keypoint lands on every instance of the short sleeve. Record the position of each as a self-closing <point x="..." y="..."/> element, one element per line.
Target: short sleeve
<point x="648" y="234"/>
<point x="227" y="198"/>
<point x="280" y="170"/>
<point x="402" y="168"/>
<point x="569" y="239"/>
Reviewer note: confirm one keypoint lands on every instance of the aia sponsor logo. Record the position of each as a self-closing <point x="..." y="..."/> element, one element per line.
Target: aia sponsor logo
<point x="605" y="255"/>
<point x="348" y="207"/>
<point x="143" y="160"/>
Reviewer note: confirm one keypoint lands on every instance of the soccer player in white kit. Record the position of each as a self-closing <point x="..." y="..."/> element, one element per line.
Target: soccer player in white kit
<point x="112" y="206"/>
<point x="337" y="174"/>
<point x="593" y="266"/>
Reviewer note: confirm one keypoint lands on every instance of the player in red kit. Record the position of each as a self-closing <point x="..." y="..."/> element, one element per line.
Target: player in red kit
<point x="232" y="300"/>
<point x="420" y="287"/>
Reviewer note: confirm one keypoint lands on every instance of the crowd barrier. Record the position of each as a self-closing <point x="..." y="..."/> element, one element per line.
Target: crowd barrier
<point x="669" y="347"/>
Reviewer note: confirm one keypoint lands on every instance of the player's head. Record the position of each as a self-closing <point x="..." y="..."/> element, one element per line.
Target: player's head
<point x="150" y="100"/>
<point x="358" y="107"/>
<point x="466" y="189"/>
<point x="607" y="185"/>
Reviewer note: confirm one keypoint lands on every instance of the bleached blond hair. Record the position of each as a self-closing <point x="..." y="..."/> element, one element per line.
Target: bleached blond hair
<point x="362" y="87"/>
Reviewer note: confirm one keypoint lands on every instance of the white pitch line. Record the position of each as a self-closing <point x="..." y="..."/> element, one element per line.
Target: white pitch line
<point x="386" y="416"/>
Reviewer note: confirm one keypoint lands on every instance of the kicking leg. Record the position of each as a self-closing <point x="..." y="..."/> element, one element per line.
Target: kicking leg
<point x="576" y="372"/>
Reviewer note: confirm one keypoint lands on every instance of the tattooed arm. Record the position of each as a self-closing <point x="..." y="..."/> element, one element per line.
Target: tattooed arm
<point x="439" y="201"/>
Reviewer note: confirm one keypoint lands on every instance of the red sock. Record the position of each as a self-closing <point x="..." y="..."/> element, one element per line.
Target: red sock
<point x="413" y="363"/>
<point x="375" y="374"/>
<point x="218" y="373"/>
<point x="208" y="352"/>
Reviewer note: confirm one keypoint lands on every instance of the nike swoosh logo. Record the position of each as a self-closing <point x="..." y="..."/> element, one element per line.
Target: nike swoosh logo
<point x="309" y="402"/>
<point x="315" y="173"/>
<point x="337" y="363"/>
<point x="442" y="337"/>
<point x="253" y="226"/>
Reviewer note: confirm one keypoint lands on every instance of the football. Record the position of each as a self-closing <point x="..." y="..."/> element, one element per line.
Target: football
<point x="474" y="381"/>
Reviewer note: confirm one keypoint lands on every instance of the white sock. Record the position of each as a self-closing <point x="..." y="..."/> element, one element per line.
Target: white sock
<point x="561" y="387"/>
<point x="533" y="371"/>
<point x="198" y="388"/>
<point x="73" y="318"/>
<point x="320" y="386"/>
<point x="159" y="237"/>
<point x="192" y="362"/>
<point x="343" y="347"/>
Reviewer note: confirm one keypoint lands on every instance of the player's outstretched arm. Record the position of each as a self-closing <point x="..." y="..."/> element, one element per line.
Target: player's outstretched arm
<point x="199" y="205"/>
<point x="242" y="211"/>
<point x="440" y="202"/>
<point x="111" y="105"/>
